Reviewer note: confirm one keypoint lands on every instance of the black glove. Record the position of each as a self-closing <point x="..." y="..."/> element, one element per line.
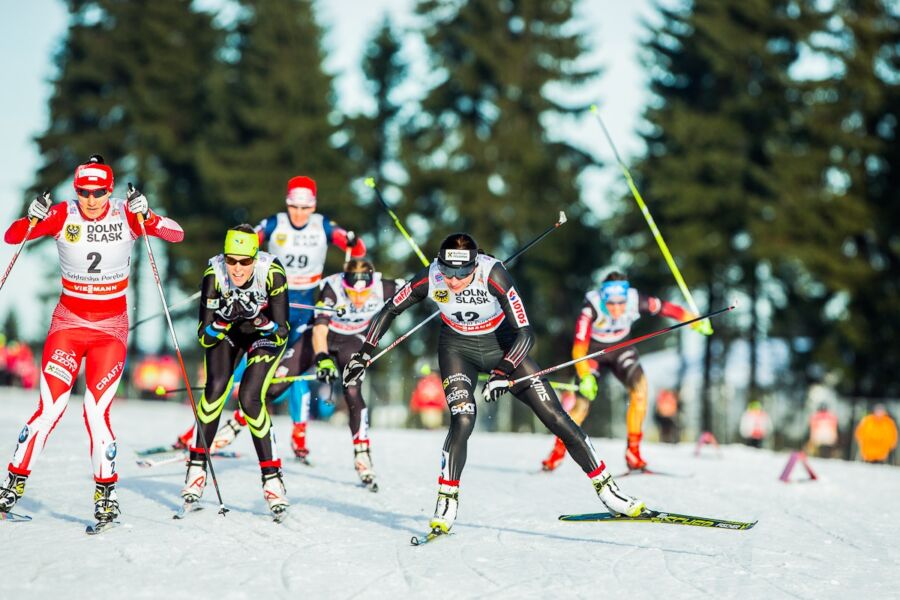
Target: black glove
<point x="229" y="309"/>
<point x="496" y="386"/>
<point x="355" y="371"/>
<point x="326" y="370"/>
<point x="264" y="325"/>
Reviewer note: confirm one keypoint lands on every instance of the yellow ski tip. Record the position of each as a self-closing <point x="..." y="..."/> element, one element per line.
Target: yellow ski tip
<point x="370" y="181"/>
<point x="594" y="108"/>
<point x="160" y="391"/>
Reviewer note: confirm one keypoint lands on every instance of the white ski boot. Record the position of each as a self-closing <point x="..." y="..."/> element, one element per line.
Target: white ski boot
<point x="226" y="434"/>
<point x="615" y="499"/>
<point x="362" y="461"/>
<point x="275" y="494"/>
<point x="13" y="489"/>
<point x="194" y="481"/>
<point x="445" y="510"/>
<point x="106" y="502"/>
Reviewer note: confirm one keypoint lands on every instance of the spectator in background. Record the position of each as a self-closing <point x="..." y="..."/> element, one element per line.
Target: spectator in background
<point x="428" y="400"/>
<point x="823" y="433"/>
<point x="755" y="424"/>
<point x="666" y="416"/>
<point x="876" y="435"/>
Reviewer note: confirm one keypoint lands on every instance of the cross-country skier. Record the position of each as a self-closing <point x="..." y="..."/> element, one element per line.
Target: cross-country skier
<point x="94" y="237"/>
<point x="299" y="238"/>
<point x="361" y="292"/>
<point x="606" y="318"/>
<point x="485" y="329"/>
<point x="243" y="309"/>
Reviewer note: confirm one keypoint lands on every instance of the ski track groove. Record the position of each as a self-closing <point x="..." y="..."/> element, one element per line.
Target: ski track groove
<point x="825" y="530"/>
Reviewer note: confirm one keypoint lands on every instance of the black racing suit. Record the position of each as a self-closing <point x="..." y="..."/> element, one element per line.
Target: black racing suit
<point x="462" y="357"/>
<point x="223" y="352"/>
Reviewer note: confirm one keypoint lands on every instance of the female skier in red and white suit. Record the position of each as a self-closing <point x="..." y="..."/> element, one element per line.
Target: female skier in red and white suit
<point x="94" y="236"/>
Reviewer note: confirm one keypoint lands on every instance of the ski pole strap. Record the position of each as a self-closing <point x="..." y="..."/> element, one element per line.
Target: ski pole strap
<point x="620" y="345"/>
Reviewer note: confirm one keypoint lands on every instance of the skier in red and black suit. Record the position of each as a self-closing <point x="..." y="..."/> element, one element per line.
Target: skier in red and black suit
<point x="94" y="236"/>
<point x="485" y="329"/>
<point x="360" y="292"/>
<point x="606" y="319"/>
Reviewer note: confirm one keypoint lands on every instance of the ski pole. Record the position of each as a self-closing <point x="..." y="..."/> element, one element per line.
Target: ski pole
<point x="557" y="385"/>
<point x="293" y="378"/>
<point x="704" y="326"/>
<point x="31" y="223"/>
<point x="562" y="219"/>
<point x="620" y="345"/>
<point x="340" y="310"/>
<point x="162" y="297"/>
<point x="370" y="181"/>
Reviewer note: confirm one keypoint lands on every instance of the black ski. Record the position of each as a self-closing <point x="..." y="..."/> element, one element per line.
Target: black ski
<point x="658" y="516"/>
<point x="653" y="472"/>
<point x="101" y="526"/>
<point x="431" y="535"/>
<point x="14" y="517"/>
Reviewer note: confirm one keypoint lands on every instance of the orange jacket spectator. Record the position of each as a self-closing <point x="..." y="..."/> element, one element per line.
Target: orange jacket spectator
<point x="876" y="435"/>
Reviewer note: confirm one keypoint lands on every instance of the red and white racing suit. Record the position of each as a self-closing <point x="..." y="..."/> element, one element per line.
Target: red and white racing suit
<point x="90" y="322"/>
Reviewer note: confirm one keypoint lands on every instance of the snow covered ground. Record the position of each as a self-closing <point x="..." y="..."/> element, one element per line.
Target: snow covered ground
<point x="826" y="539"/>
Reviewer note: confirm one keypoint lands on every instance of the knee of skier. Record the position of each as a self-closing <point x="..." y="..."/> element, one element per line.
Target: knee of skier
<point x="462" y="409"/>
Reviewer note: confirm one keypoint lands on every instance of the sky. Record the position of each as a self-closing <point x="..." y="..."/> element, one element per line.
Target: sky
<point x="37" y="29"/>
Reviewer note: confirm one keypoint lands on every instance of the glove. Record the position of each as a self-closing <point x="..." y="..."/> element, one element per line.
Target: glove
<point x="248" y="307"/>
<point x="137" y="202"/>
<point x="341" y="310"/>
<point x="39" y="208"/>
<point x="229" y="309"/>
<point x="496" y="386"/>
<point x="587" y="386"/>
<point x="217" y="329"/>
<point x="351" y="239"/>
<point x="355" y="371"/>
<point x="264" y="325"/>
<point x="326" y="370"/>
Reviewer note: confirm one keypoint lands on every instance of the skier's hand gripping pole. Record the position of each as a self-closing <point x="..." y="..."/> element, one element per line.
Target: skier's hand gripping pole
<point x="703" y="325"/>
<point x="620" y="345"/>
<point x="162" y="296"/>
<point x="562" y="219"/>
<point x="43" y="201"/>
<point x="370" y="181"/>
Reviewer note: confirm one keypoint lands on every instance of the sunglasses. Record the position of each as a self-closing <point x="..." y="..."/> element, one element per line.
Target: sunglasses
<point x="98" y="193"/>
<point x="456" y="272"/>
<point x="244" y="262"/>
<point x="352" y="278"/>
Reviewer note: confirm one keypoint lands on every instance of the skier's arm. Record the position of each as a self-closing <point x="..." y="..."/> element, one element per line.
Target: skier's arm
<point x="338" y="236"/>
<point x="583" y="339"/>
<point x="52" y="225"/>
<point x="155" y="225"/>
<point x="211" y="330"/>
<point x="278" y="309"/>
<point x="651" y="305"/>
<point x="265" y="229"/>
<point x="501" y="286"/>
<point x="410" y="294"/>
<point x="327" y="299"/>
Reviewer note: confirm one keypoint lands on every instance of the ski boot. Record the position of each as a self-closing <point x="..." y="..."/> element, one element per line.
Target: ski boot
<point x="194" y="481"/>
<point x="445" y="509"/>
<point x="615" y="499"/>
<point x="556" y="456"/>
<point x="362" y="461"/>
<point x="106" y="502"/>
<point x="633" y="453"/>
<point x="226" y="434"/>
<point x="275" y="494"/>
<point x="298" y="442"/>
<point x="13" y="489"/>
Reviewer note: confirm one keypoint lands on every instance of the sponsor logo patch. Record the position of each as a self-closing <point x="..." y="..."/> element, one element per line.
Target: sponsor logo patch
<point x="457" y="395"/>
<point x="442" y="296"/>
<point x="109" y="377"/>
<point x="73" y="232"/>
<point x="454" y="378"/>
<point x="518" y="307"/>
<point x="281" y="239"/>
<point x="463" y="409"/>
<point x="111" y="451"/>
<point x="66" y="359"/>
<point x="402" y="294"/>
<point x="23" y="435"/>
<point x="59" y="372"/>
<point x="212" y="303"/>
<point x="541" y="389"/>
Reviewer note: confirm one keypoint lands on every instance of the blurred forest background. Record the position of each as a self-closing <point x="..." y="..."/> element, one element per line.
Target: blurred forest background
<point x="770" y="187"/>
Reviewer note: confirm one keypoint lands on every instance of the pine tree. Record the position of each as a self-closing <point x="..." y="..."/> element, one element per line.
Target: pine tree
<point x="484" y="155"/>
<point x="273" y="121"/>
